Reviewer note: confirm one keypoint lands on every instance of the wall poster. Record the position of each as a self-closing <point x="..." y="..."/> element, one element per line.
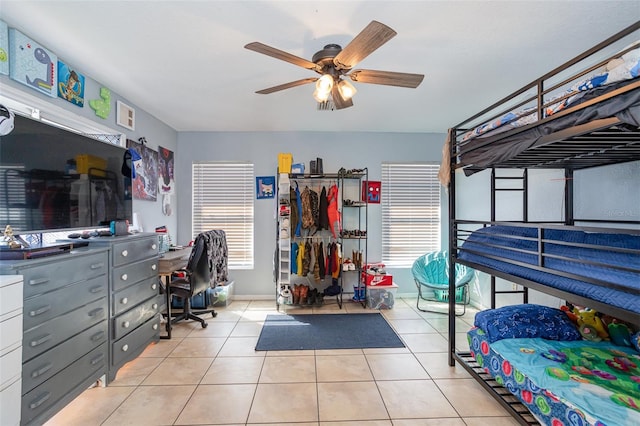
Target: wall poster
<point x="265" y="187"/>
<point x="145" y="184"/>
<point x="70" y="84"/>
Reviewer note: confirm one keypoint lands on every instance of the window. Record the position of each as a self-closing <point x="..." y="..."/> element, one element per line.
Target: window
<point x="223" y="199"/>
<point x="410" y="212"/>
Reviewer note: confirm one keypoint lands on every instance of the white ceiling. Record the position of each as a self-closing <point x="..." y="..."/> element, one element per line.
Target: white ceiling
<point x="184" y="61"/>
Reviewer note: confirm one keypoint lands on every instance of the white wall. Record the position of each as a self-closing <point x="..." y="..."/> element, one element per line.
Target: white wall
<point x="348" y="150"/>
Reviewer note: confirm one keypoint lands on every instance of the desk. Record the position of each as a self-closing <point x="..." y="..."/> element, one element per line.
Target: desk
<point x="168" y="263"/>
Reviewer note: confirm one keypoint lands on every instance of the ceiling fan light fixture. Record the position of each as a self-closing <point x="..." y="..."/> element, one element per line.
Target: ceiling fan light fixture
<point x="325" y="83"/>
<point x="321" y="96"/>
<point x="347" y="90"/>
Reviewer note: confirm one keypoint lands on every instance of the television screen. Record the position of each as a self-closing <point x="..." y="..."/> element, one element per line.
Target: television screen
<point x="52" y="179"/>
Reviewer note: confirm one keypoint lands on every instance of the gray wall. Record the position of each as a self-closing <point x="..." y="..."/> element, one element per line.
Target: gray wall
<point x="348" y="150"/>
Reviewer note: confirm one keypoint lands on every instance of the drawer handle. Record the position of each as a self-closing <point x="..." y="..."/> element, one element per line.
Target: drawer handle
<point x="41" y="399"/>
<point x="98" y="336"/>
<point x="154" y="246"/>
<point x="40" y="341"/>
<point x="97" y="359"/>
<point x="154" y="267"/>
<point x="96" y="289"/>
<point x="124" y="253"/>
<point x="95" y="266"/>
<point x="38" y="281"/>
<point x="155" y="326"/>
<point x="124" y="277"/>
<point x="124" y="301"/>
<point x="98" y="312"/>
<point x="40" y="371"/>
<point x="154" y="306"/>
<point x="125" y="324"/>
<point x="125" y="348"/>
<point x="40" y="311"/>
<point x="154" y="286"/>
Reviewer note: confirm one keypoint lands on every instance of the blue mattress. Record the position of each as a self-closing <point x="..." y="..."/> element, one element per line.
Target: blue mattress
<point x="507" y="243"/>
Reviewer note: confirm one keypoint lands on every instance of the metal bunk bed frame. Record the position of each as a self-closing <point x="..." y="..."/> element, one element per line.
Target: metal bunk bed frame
<point x="596" y="143"/>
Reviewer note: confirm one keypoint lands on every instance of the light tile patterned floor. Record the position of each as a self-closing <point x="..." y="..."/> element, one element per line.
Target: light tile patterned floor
<point x="213" y="376"/>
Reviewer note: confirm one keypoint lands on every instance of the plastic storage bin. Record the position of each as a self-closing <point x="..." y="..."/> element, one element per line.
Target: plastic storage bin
<point x="381" y="297"/>
<point x="222" y="295"/>
<point x="284" y="162"/>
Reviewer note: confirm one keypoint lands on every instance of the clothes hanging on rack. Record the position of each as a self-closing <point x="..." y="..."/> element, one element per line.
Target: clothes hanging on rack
<point x="323" y="213"/>
<point x="306" y="259"/>
<point x="316" y="265"/>
<point x="294" y="258"/>
<point x="315" y="207"/>
<point x="293" y="214"/>
<point x="332" y="211"/>
<point x="307" y="215"/>
<point x="299" y="258"/>
<point x="321" y="260"/>
<point x="299" y="205"/>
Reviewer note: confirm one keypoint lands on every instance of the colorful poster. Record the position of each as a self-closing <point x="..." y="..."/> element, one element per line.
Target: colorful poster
<point x="165" y="170"/>
<point x="32" y="64"/>
<point x="70" y="84"/>
<point x="265" y="187"/>
<point x="145" y="184"/>
<point x="371" y="191"/>
<point x="4" y="48"/>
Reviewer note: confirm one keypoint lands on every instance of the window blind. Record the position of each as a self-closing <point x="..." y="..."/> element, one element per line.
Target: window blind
<point x="410" y="212"/>
<point x="223" y="194"/>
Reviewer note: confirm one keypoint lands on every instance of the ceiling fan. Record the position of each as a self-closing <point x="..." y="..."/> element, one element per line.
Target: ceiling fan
<point x="333" y="63"/>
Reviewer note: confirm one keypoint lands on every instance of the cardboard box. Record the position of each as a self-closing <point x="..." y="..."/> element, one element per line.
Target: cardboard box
<point x="376" y="279"/>
<point x="381" y="297"/>
<point x="284" y="162"/>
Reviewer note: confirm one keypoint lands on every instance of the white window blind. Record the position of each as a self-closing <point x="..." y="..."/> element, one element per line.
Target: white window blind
<point x="223" y="194"/>
<point x="410" y="212"/>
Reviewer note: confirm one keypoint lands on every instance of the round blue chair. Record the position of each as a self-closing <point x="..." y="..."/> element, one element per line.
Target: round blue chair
<point x="431" y="274"/>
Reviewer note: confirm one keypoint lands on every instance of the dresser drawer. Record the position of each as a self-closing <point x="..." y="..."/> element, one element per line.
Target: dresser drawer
<point x="133" y="318"/>
<point x="131" y="296"/>
<point x="49" y="363"/>
<point x="129" y="346"/>
<point x="56" y="331"/>
<point x="35" y="402"/>
<point x="50" y="305"/>
<point x="131" y="251"/>
<point x="10" y="296"/>
<point x="10" y="365"/>
<point x="125" y="276"/>
<point x="49" y="276"/>
<point x="11" y="333"/>
<point x="9" y="402"/>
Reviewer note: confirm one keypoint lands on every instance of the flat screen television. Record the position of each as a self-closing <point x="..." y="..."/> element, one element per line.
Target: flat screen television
<point x="54" y="179"/>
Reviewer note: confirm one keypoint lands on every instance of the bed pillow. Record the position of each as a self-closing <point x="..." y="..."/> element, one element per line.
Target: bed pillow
<point x="526" y="321"/>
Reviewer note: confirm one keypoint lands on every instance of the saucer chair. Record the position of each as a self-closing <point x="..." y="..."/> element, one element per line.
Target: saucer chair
<point x="431" y="275"/>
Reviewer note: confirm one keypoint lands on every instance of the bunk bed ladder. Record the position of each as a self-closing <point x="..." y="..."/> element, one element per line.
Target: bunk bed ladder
<point x="523" y="189"/>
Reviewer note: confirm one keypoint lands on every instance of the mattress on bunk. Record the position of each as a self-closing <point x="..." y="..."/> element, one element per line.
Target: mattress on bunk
<point x="507" y="244"/>
<point x="625" y="68"/>
<point x="495" y="148"/>
<point x="565" y="382"/>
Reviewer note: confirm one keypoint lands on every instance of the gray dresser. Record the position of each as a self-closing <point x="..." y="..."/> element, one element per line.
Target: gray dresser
<point x="65" y="334"/>
<point x="134" y="303"/>
<point x="86" y="313"/>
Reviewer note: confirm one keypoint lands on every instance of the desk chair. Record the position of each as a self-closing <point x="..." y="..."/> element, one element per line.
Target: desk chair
<point x="197" y="278"/>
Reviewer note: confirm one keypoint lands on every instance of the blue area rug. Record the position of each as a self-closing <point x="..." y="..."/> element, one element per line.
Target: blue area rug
<point x="326" y="331"/>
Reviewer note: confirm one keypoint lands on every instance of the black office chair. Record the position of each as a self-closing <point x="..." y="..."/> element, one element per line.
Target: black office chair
<point x="197" y="278"/>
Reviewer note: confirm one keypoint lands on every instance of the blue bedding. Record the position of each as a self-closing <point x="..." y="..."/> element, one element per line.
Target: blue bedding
<point x="504" y="240"/>
<point x="565" y="382"/>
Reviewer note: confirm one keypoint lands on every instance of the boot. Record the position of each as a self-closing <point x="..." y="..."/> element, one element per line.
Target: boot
<point x="311" y="297"/>
<point x="296" y="294"/>
<point x="304" y="291"/>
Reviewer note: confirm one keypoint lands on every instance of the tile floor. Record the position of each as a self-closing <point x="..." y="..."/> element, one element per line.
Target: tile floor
<point x="213" y="376"/>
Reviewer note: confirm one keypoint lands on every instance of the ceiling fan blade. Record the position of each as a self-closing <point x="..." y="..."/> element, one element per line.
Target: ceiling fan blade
<point x="387" y="78"/>
<point x="281" y="54"/>
<point x="286" y="86"/>
<point x="338" y="100"/>
<point x="372" y="37"/>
